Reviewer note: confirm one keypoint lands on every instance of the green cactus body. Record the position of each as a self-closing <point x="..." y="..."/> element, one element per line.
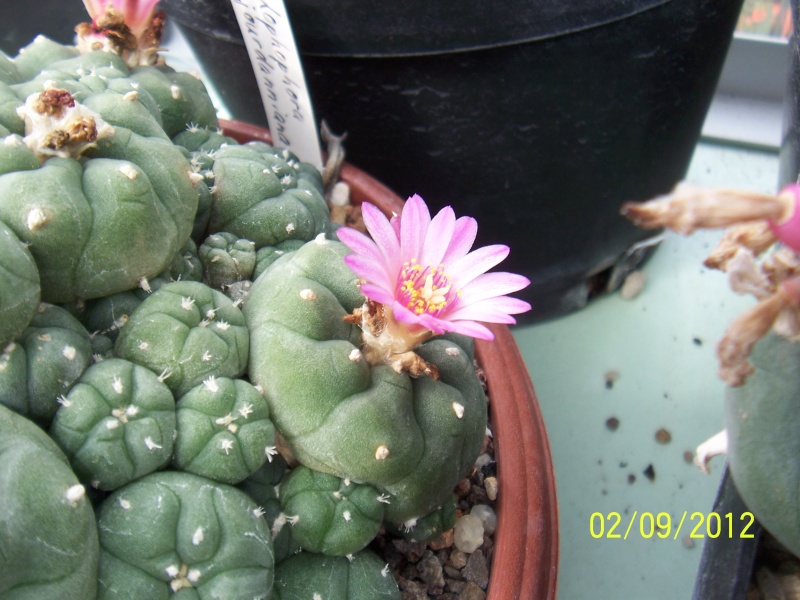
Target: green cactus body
<point x="186" y="332"/>
<point x="48" y="536"/>
<point x="44" y="363"/>
<point x="173" y="534"/>
<point x="763" y="425"/>
<point x="265" y="195"/>
<point x="202" y="143"/>
<point x="262" y="486"/>
<point x="269" y="254"/>
<point x="224" y="430"/>
<point x="182" y="98"/>
<point x="40" y="53"/>
<point x="331" y="516"/>
<point x="9" y="73"/>
<point x="9" y="119"/>
<point x="428" y="527"/>
<point x="226" y="259"/>
<point x="413" y="439"/>
<point x="116" y="424"/>
<point x="19" y="286"/>
<point x="363" y="576"/>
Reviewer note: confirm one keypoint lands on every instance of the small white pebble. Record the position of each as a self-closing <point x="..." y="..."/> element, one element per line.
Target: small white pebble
<point x="340" y="194"/>
<point x="633" y="285"/>
<point x="198" y="536"/>
<point x="175" y="91"/>
<point x="490" y="483"/>
<point x="194" y="575"/>
<point x="468" y="533"/>
<point x="124" y="503"/>
<point x="131" y="96"/>
<point x="487" y="516"/>
<point x="308" y="294"/>
<point x="112" y="423"/>
<point x="381" y="452"/>
<point x="69" y="352"/>
<point x="458" y="409"/>
<point x="320" y="239"/>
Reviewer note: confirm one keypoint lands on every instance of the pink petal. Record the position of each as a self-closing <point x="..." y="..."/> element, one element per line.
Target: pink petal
<point x="383" y="234"/>
<point x="414" y="223"/>
<point x="95" y="8"/>
<point x="490" y="285"/>
<point x="369" y="270"/>
<point x="465" y="231"/>
<point x="402" y="314"/>
<point x="377" y="293"/>
<point x="359" y="243"/>
<point x="437" y="240"/>
<point x="472" y="329"/>
<point x="491" y="310"/>
<point x="475" y="263"/>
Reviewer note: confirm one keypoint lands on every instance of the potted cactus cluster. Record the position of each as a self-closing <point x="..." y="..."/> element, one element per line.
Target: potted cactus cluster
<point x="758" y="359"/>
<point x="208" y="388"/>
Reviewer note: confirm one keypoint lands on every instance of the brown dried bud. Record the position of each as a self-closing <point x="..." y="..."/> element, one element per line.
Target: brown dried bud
<point x="749" y="327"/>
<point x="53" y="102"/>
<point x="688" y="208"/>
<point x="756" y="237"/>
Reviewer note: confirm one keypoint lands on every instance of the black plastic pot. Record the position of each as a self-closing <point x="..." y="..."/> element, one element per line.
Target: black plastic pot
<point x="23" y="21"/>
<point x="789" y="166"/>
<point x="726" y="565"/>
<point x="537" y="118"/>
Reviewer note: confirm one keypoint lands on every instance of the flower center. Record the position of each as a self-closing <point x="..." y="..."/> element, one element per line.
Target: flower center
<point x="424" y="289"/>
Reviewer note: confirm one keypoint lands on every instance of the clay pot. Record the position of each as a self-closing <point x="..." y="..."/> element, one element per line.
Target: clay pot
<point x="525" y="561"/>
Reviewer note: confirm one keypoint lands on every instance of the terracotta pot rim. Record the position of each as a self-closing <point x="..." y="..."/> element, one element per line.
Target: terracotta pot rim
<point x="525" y="561"/>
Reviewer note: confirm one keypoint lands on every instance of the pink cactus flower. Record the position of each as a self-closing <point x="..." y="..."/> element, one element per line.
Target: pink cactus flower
<point x="137" y="13"/>
<point x="421" y="270"/>
<point x="130" y="28"/>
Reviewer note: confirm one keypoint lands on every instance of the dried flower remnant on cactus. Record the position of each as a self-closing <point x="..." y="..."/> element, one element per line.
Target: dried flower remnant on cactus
<point x="421" y="279"/>
<point x="757" y="222"/>
<point x="130" y="28"/>
<point x="57" y="125"/>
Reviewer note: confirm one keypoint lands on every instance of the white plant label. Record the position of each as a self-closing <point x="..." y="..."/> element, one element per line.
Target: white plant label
<point x="270" y="43"/>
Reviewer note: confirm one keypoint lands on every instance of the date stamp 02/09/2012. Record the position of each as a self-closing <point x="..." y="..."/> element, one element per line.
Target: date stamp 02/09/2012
<point x="662" y="525"/>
